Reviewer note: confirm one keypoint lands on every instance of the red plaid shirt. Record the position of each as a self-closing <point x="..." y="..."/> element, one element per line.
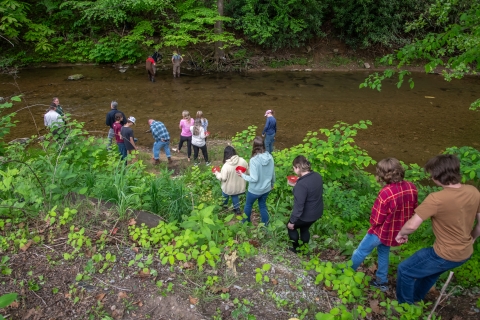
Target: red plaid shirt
<point x="393" y="207"/>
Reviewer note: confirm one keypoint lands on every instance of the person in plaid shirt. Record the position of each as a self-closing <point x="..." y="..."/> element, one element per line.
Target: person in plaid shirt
<point x="162" y="140"/>
<point x="395" y="204"/>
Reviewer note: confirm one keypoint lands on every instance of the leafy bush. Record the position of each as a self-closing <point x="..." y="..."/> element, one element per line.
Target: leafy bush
<point x="278" y="23"/>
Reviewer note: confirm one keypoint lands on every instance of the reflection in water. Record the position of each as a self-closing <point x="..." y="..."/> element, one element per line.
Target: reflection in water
<point x="405" y="123"/>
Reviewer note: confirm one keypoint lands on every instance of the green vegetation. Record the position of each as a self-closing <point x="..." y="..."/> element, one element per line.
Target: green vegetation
<point x="448" y="36"/>
<point x="194" y="234"/>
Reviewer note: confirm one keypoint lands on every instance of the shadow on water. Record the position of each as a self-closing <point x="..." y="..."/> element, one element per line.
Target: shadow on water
<point x="406" y="124"/>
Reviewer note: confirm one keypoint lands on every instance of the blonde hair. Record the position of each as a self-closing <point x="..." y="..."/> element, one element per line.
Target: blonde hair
<point x="185" y="113"/>
<point x="199" y="114"/>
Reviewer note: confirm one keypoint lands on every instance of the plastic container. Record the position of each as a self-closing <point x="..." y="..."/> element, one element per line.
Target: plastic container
<point x="216" y="169"/>
<point x="292" y="180"/>
<point x="207" y="133"/>
<point x="241" y="169"/>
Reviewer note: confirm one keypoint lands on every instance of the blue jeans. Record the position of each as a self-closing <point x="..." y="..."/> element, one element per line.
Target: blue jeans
<point x="262" y="205"/>
<point x="122" y="149"/>
<point x="370" y="242"/>
<point x="269" y="140"/>
<point x="159" y="145"/>
<point x="235" y="200"/>
<point x="417" y="274"/>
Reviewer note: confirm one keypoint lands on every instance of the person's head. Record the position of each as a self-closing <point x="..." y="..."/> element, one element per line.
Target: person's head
<point x="118" y="116"/>
<point x="53" y="107"/>
<point x="174" y="51"/>
<point x="150" y="121"/>
<point x="301" y="165"/>
<point x="444" y="169"/>
<point x="186" y="115"/>
<point x="258" y="146"/>
<point x="199" y="114"/>
<point x="113" y="104"/>
<point x="228" y="153"/>
<point x="268" y="113"/>
<point x="131" y="120"/>
<point x="56" y="101"/>
<point x="197" y="126"/>
<point x="389" y="170"/>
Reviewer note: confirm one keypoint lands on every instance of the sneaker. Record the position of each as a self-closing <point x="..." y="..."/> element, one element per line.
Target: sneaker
<point x="196" y="164"/>
<point x="380" y="286"/>
<point x="292" y="249"/>
<point x="208" y="163"/>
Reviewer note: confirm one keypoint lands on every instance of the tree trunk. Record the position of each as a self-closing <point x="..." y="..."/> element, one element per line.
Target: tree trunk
<point x="219" y="53"/>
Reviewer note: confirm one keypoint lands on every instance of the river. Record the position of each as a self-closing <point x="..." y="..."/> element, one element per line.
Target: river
<point x="412" y="125"/>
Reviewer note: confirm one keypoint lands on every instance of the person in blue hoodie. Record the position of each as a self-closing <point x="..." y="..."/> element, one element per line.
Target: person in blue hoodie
<point x="269" y="130"/>
<point x="260" y="180"/>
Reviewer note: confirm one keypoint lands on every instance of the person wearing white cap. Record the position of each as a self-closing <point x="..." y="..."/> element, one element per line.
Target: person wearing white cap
<point x="127" y="134"/>
<point x="269" y="131"/>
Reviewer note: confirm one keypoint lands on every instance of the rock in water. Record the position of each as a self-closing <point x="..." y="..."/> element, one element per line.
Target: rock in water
<point x="77" y="76"/>
<point x="366" y="65"/>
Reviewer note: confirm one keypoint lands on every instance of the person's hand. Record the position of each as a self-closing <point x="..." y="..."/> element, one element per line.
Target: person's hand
<point x="239" y="173"/>
<point x="401" y="238"/>
<point x="291" y="226"/>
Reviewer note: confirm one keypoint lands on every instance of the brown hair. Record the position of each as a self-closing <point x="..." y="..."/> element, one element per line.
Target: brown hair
<point x="258" y="146"/>
<point x="444" y="168"/>
<point x="389" y="170"/>
<point x="199" y="114"/>
<point x="118" y="116"/>
<point x="300" y="162"/>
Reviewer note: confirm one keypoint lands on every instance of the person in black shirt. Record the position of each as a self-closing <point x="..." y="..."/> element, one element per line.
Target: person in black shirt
<point x="307" y="203"/>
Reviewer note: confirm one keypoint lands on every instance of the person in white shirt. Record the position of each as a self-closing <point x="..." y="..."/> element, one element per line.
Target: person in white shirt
<point x="53" y="120"/>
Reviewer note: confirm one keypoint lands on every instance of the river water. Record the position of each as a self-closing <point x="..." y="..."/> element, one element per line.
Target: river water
<point x="407" y="124"/>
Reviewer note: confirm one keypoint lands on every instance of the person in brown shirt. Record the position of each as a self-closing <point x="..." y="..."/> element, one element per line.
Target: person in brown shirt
<point x="453" y="211"/>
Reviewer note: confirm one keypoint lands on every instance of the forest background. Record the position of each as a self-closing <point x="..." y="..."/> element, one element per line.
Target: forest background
<point x="38" y="181"/>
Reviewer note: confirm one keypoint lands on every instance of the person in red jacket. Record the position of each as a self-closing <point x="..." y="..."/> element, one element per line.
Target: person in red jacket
<point x="150" y="65"/>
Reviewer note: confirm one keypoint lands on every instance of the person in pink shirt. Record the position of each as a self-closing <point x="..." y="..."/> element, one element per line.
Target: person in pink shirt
<point x="186" y="134"/>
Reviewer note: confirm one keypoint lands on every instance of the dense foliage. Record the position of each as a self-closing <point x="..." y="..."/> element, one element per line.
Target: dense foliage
<point x="125" y="31"/>
<point x="37" y="183"/>
<point x="449" y="38"/>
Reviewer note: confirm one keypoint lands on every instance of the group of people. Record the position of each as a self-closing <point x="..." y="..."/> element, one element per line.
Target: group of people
<point x="151" y="63"/>
<point x="54" y="118"/>
<point x="395" y="213"/>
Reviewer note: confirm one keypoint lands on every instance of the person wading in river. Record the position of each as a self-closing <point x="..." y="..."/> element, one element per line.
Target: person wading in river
<point x="177" y="59"/>
<point x="150" y="65"/>
<point x="110" y="120"/>
<point x="269" y="130"/>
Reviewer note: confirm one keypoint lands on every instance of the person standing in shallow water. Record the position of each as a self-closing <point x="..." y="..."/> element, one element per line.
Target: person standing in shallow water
<point x="177" y="59"/>
<point x="150" y="65"/>
<point x="58" y="107"/>
<point x="307" y="202"/>
<point x="110" y="120"/>
<point x="186" y="134"/>
<point x="260" y="180"/>
<point x="269" y="130"/>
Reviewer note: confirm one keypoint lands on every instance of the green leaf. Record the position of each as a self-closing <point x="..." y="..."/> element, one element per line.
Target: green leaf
<point x="7" y="299"/>
<point x="181" y="256"/>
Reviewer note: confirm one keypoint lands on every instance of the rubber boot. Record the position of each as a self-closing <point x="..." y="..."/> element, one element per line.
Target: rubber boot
<point x="178" y="74"/>
<point x="237" y="211"/>
<point x="156" y="162"/>
<point x="170" y="161"/>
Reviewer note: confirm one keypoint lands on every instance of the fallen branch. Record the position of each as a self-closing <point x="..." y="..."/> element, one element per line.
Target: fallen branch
<point x="441" y="294"/>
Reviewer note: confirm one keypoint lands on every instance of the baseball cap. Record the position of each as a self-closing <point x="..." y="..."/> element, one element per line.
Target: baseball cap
<point x="132" y="119"/>
<point x="267" y="112"/>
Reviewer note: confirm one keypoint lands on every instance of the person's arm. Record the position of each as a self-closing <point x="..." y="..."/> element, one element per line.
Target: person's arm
<point x="253" y="176"/>
<point x="180" y="125"/>
<point x="45" y="120"/>
<point x="202" y="133"/>
<point x="476" y="230"/>
<point x="266" y="126"/>
<point x="181" y="59"/>
<point x="133" y="143"/>
<point x="409" y="228"/>
<point x="300" y="193"/>
<point x="172" y="59"/>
